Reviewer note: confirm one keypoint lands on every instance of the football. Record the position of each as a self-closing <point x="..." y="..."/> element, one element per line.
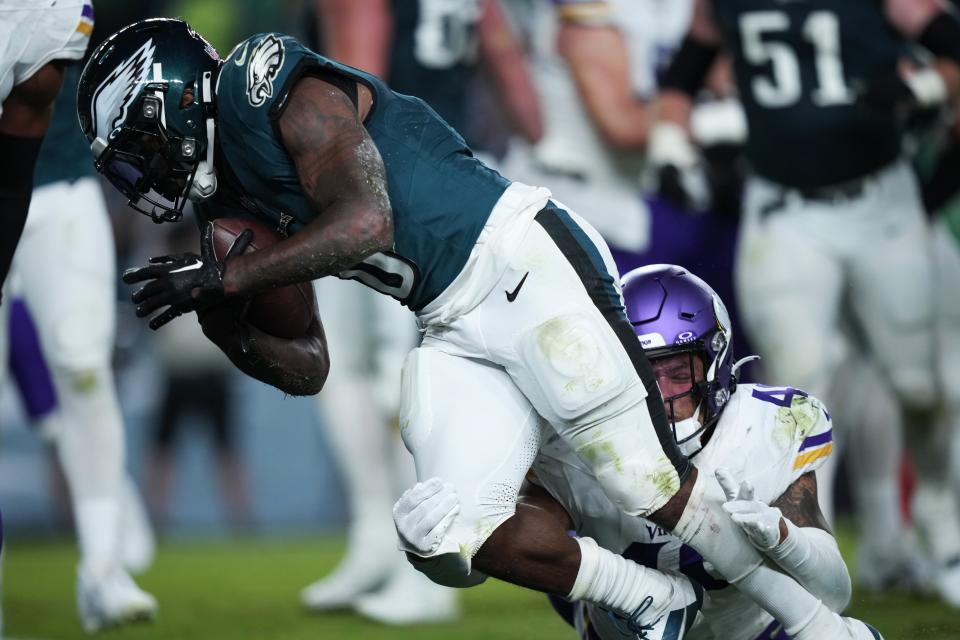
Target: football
<point x="285" y="312"/>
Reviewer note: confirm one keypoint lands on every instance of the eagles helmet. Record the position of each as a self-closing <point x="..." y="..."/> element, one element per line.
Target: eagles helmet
<point x="146" y="105"/>
<point x="673" y="312"/>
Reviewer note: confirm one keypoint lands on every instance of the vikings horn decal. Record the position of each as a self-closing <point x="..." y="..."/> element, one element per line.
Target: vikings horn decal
<point x="265" y="62"/>
<point x="113" y="97"/>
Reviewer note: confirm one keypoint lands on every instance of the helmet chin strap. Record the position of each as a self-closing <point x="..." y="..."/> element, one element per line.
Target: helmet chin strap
<point x="204" y="183"/>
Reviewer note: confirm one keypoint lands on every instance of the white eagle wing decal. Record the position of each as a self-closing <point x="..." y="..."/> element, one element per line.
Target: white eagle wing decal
<point x="262" y="69"/>
<point x="112" y="98"/>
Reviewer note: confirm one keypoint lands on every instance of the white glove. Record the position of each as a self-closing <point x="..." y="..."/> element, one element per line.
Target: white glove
<point x="759" y="521"/>
<point x="674" y="168"/>
<point x="423" y="514"/>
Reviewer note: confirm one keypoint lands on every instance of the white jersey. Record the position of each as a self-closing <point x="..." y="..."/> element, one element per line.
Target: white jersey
<point x="35" y="32"/>
<point x="769" y="436"/>
<point x="572" y="158"/>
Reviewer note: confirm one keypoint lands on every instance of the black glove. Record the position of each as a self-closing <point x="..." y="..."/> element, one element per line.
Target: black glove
<point x="888" y="95"/>
<point x="183" y="282"/>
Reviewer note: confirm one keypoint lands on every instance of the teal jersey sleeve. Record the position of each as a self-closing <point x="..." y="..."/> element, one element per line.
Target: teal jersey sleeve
<point x="441" y="196"/>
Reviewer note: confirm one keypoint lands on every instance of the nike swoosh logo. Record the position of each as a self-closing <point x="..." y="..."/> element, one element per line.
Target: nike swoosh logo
<point x="196" y="265"/>
<point x="240" y="59"/>
<point x="512" y="295"/>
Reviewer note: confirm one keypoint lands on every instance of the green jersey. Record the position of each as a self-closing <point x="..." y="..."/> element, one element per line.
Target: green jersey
<point x="440" y="194"/>
<point x="433" y="53"/>
<point x="798" y="65"/>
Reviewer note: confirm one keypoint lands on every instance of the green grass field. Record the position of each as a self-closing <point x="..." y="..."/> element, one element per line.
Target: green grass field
<point x="246" y="589"/>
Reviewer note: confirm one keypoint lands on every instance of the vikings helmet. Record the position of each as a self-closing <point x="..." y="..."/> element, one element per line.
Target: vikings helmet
<point x="146" y="106"/>
<point x="673" y="312"/>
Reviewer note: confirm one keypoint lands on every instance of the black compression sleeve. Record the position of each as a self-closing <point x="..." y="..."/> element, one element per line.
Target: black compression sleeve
<point x="17" y="159"/>
<point x="941" y="36"/>
<point x="689" y="66"/>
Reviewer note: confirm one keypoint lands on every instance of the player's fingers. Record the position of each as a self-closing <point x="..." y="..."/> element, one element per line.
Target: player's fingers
<point x="163" y="259"/>
<point x="165" y="317"/>
<point x="439" y="510"/>
<point x="746" y="491"/>
<point x="150" y="304"/>
<point x="152" y="288"/>
<point x="149" y="272"/>
<point x="424" y="490"/>
<point x="728" y="483"/>
<point x="240" y="243"/>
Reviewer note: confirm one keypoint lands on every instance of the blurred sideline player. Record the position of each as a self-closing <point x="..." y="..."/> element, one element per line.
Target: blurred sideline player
<point x="29" y="371"/>
<point x="763" y="443"/>
<point x="597" y="64"/>
<point x="72" y="301"/>
<point x="430" y="49"/>
<point x="833" y="215"/>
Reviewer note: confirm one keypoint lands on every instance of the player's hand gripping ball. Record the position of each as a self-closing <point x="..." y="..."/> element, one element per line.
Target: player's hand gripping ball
<point x="285" y="312"/>
<point x="190" y="282"/>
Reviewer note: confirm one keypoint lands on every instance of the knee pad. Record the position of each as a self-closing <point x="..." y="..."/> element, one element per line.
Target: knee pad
<point x="576" y="362"/>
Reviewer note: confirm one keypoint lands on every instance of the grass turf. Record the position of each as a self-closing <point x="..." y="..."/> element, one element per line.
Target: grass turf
<point x="246" y="589"/>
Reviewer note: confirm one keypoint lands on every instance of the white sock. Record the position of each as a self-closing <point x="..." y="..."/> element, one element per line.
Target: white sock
<point x="706" y="527"/>
<point x="612" y="581"/>
<point x="90" y="449"/>
<point x="362" y="446"/>
<point x="874" y="455"/>
<point x="97" y="525"/>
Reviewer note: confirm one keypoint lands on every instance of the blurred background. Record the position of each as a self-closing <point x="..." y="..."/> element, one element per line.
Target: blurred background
<point x="230" y="468"/>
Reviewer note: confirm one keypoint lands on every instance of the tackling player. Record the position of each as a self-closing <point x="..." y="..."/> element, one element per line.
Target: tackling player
<point x="834" y="232"/>
<point x="763" y="443"/>
<point x="372" y="185"/>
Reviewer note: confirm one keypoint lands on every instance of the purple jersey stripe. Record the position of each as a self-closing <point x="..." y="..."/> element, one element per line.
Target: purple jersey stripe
<point x="87" y="11"/>
<point x="817" y="440"/>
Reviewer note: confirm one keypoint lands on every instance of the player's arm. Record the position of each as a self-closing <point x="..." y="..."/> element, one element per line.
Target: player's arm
<point x="297" y="367"/>
<point x="26" y="116"/>
<point x="596" y="54"/>
<point x="343" y="177"/>
<point x="504" y="57"/>
<point x="793" y="533"/>
<point x="934" y="25"/>
<point x="807" y="549"/>
<point x="357" y="32"/>
<point x="690" y="67"/>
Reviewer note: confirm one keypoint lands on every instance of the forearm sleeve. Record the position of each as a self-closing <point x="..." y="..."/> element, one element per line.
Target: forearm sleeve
<point x="18" y="157"/>
<point x="813" y="558"/>
<point x="690" y="66"/>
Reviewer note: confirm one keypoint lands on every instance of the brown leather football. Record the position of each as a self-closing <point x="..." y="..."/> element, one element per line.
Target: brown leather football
<point x="285" y="312"/>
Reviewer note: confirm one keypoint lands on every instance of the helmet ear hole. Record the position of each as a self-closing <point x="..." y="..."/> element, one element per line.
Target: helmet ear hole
<point x="189" y="95"/>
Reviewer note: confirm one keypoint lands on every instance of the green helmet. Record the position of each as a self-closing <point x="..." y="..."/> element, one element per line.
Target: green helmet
<point x="146" y="105"/>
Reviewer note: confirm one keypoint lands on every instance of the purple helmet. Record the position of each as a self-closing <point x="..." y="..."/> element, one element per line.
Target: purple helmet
<point x="673" y="311"/>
